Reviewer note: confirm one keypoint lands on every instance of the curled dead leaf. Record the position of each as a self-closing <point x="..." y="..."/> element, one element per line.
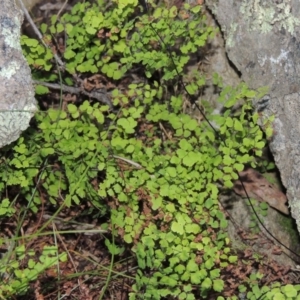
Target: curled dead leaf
<point x="259" y="188"/>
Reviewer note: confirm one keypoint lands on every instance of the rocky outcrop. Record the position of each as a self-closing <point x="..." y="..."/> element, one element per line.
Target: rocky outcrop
<point x="263" y="42"/>
<point x="17" y="102"/>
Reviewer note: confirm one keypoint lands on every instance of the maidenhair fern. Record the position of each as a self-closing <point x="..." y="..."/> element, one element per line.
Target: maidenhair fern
<point x="154" y="171"/>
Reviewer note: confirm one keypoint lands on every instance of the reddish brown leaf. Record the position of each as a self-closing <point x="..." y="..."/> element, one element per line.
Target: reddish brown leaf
<point x="259" y="188"/>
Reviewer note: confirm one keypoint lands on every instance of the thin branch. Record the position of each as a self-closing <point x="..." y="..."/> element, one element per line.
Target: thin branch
<point x="62" y="8"/>
<point x="137" y="165"/>
<point x="57" y="86"/>
<point x="98" y="95"/>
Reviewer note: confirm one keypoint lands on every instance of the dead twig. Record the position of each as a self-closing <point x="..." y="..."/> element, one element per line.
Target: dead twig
<point x="101" y="96"/>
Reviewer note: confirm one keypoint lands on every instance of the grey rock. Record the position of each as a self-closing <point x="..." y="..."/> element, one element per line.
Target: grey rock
<point x="262" y="41"/>
<point x="17" y="103"/>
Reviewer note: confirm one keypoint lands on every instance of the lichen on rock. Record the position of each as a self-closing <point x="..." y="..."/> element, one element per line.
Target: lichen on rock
<point x="17" y="103"/>
<point x="263" y="15"/>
